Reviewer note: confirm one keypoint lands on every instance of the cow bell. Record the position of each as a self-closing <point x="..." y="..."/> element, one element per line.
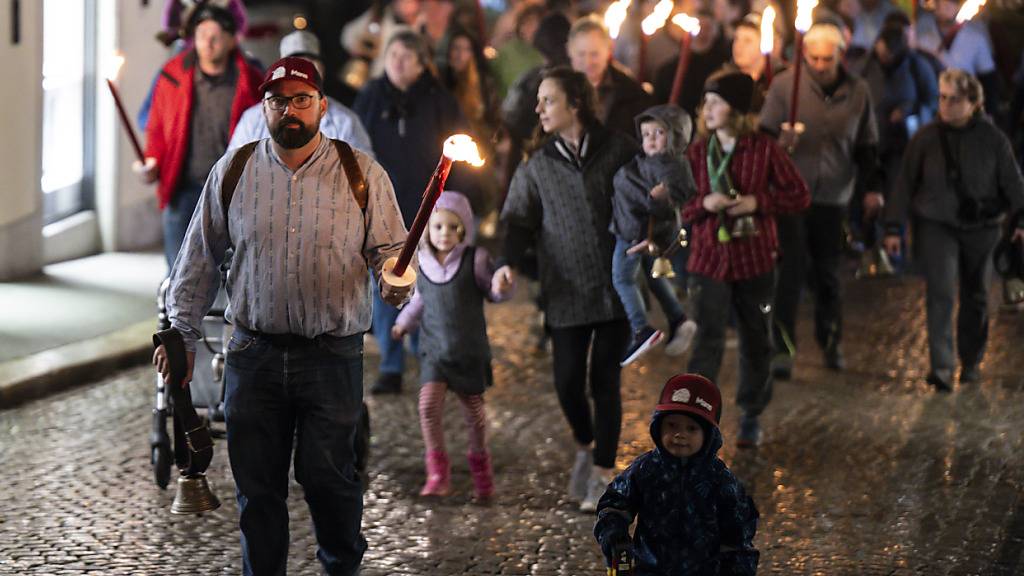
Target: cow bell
<point x="743" y="227"/>
<point x="662" y="268"/>
<point x="194" y="496"/>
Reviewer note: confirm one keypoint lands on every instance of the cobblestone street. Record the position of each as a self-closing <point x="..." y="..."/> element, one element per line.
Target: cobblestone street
<point x="863" y="472"/>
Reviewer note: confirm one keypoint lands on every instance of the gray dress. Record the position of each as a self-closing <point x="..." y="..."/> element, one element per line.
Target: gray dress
<point x="453" y="332"/>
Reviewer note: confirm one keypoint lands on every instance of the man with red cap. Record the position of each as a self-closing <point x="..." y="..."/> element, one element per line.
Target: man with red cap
<point x="692" y="514"/>
<point x="197" y="100"/>
<point x="308" y="218"/>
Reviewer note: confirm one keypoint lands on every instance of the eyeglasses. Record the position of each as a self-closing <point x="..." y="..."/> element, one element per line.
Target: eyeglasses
<point x="297" y="102"/>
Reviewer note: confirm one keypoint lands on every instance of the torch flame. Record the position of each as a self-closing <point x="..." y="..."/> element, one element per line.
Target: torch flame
<point x="657" y="18"/>
<point x="615" y="15"/>
<point x="767" y="30"/>
<point x="687" y="23"/>
<point x="969" y="10"/>
<point x="462" y="148"/>
<point x="114" y="66"/>
<point x="804" y="14"/>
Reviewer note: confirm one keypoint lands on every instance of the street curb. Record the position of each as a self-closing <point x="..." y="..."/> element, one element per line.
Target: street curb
<point x="74" y="364"/>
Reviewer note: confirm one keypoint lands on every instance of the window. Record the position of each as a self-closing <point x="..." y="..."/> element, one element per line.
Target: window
<point x="66" y="98"/>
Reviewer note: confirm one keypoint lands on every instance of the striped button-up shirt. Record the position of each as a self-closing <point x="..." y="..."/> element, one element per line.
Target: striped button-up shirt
<point x="302" y="247"/>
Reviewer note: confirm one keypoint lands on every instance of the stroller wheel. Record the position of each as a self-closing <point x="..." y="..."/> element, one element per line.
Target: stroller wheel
<point x="161" y="460"/>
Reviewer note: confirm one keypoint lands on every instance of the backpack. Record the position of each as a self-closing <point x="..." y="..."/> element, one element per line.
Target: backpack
<point x="348" y="162"/>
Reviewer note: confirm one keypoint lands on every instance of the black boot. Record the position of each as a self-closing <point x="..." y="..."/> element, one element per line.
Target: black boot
<point x="387" y="383"/>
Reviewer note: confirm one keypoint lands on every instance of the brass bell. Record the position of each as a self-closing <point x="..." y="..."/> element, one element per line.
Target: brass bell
<point x="1013" y="294"/>
<point x="194" y="496"/>
<point x="743" y="227"/>
<point x="662" y="268"/>
<point x="684" y="241"/>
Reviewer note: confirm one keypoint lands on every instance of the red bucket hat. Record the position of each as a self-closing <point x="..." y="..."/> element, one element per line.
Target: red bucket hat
<point x="292" y="68"/>
<point x="692" y="394"/>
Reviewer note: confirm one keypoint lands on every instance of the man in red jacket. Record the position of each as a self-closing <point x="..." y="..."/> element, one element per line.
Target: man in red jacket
<point x="198" y="98"/>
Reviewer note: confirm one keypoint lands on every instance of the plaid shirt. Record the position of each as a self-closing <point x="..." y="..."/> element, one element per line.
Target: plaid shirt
<point x="759" y="167"/>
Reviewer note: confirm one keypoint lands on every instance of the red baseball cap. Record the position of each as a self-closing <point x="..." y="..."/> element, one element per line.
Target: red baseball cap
<point x="693" y="394"/>
<point x="292" y="68"/>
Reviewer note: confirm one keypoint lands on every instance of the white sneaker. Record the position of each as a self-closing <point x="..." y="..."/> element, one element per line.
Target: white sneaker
<point x="595" y="489"/>
<point x="579" y="477"/>
<point x="681" y="339"/>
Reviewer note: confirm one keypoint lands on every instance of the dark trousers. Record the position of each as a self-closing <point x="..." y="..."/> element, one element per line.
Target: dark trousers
<point x="751" y="300"/>
<point x="176" y="217"/>
<point x="946" y="253"/>
<point x="606" y="343"/>
<point x="811" y="246"/>
<point x="307" y="393"/>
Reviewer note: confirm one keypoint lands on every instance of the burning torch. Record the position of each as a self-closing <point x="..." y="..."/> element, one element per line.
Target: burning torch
<point x="804" y="10"/>
<point x="768" y="40"/>
<point x="460" y="147"/>
<point x="651" y="24"/>
<point x="691" y="27"/>
<point x="118" y="61"/>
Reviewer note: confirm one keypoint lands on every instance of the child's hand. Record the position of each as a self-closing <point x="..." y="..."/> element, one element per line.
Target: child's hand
<point x="716" y="202"/>
<point x="503" y="280"/>
<point x="398" y="332"/>
<point x="660" y="191"/>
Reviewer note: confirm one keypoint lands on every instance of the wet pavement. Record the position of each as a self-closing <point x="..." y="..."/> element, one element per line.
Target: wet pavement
<point x="864" y="472"/>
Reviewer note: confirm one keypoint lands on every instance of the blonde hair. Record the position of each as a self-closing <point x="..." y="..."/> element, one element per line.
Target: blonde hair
<point x="824" y="32"/>
<point x="739" y="124"/>
<point x="965" y="84"/>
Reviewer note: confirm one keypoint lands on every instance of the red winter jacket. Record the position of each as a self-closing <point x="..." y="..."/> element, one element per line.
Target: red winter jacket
<point x="167" y="132"/>
<point x="759" y="167"/>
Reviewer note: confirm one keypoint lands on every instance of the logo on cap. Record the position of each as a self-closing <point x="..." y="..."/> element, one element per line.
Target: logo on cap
<point x="704" y="404"/>
<point x="300" y="74"/>
<point x="278" y="73"/>
<point x="681" y="395"/>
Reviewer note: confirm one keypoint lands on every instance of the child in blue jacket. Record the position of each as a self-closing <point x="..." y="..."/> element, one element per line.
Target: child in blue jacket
<point x="693" y="516"/>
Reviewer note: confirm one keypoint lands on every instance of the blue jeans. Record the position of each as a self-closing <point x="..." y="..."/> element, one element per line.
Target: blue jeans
<point x="176" y="218"/>
<point x="624" y="269"/>
<point x="392" y="353"/>
<point x="306" y="392"/>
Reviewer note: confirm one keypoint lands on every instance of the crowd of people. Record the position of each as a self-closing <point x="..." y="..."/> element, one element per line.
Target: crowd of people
<point x="603" y="170"/>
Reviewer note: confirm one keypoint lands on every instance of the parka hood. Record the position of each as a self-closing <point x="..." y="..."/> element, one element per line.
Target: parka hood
<point x="680" y="126"/>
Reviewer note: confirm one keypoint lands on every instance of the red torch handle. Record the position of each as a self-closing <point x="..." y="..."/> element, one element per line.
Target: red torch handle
<point x="430" y="195"/>
<point x="684" y="62"/>
<point x="768" y="69"/>
<point x="124" y="122"/>
<point x="798" y="61"/>
<point x="641" y="64"/>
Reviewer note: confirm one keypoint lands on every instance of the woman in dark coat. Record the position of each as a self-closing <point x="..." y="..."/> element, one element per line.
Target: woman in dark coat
<point x="560" y="202"/>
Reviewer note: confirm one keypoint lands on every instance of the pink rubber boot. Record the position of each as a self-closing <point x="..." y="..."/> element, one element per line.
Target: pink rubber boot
<point x="438" y="474"/>
<point x="483" y="477"/>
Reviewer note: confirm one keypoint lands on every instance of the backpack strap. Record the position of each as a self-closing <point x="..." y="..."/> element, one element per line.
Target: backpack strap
<point x="233" y="175"/>
<point x="353" y="173"/>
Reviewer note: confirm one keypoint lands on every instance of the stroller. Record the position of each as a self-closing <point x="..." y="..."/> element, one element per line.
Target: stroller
<point x="207" y="389"/>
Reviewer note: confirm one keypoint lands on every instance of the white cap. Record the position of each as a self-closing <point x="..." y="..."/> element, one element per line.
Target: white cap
<point x="300" y="43"/>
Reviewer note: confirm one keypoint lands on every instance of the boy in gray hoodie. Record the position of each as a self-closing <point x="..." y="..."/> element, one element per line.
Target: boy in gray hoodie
<point x="649" y="190"/>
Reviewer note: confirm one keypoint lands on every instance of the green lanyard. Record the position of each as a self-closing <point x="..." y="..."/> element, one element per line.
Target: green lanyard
<point x="716" y="173"/>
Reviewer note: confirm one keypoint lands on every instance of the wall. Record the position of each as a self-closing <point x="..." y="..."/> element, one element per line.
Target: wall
<point x="20" y="147"/>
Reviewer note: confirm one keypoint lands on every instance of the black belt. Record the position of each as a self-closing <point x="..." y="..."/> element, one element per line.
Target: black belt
<point x="295" y="340"/>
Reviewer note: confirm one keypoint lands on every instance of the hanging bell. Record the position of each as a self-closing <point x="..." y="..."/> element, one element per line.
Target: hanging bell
<point x="743" y="227"/>
<point x="683" y="239"/>
<point x="884" y="265"/>
<point x="662" y="268"/>
<point x="194" y="496"/>
<point x="1013" y="294"/>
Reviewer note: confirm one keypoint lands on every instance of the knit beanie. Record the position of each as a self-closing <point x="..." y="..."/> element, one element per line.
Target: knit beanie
<point x="736" y="88"/>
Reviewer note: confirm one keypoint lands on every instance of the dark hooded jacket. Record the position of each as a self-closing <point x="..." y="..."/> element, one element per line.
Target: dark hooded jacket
<point x="693" y="516"/>
<point x="632" y="205"/>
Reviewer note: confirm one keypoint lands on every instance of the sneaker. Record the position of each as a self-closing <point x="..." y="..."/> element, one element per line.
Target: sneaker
<point x="680" y="337"/>
<point x="387" y="383"/>
<point x="782" y="366"/>
<point x="750" y="435"/>
<point x="643" y="341"/>
<point x="595" y="489"/>
<point x="970" y="374"/>
<point x="941" y="381"/>
<point x="580" y="475"/>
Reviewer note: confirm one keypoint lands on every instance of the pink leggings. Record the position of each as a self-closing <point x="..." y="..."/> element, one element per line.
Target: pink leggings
<point x="432" y="417"/>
